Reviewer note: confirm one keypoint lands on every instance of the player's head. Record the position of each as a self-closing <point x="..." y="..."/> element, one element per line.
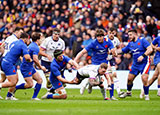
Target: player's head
<point x="18" y="32"/>
<point x="36" y="37"/>
<point x="100" y="35"/>
<point x="132" y="34"/>
<point x="111" y="33"/>
<point x="55" y="34"/>
<point x="58" y="55"/>
<point x="102" y="69"/>
<point x="25" y="37"/>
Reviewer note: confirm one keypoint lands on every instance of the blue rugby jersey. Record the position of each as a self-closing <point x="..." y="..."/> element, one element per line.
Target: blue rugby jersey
<point x="137" y="49"/>
<point x="100" y="51"/>
<point x="33" y="49"/>
<point x="17" y="49"/>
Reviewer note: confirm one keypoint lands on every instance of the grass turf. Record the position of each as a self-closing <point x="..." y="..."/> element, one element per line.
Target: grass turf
<point x="77" y="104"/>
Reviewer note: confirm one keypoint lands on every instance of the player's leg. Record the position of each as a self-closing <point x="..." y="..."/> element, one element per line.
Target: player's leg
<point x="145" y="85"/>
<point x="14" y="80"/>
<point x="36" y="76"/>
<point x="158" y="69"/>
<point x="103" y="91"/>
<point x="131" y="78"/>
<point x="84" y="84"/>
<point x="47" y="73"/>
<point x="3" y="78"/>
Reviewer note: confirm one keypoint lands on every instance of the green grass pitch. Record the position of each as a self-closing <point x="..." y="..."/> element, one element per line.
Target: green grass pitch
<point x="76" y="104"/>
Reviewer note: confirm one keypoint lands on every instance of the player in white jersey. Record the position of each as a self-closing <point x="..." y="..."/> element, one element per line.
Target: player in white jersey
<point x="115" y="81"/>
<point x="5" y="46"/>
<point x="49" y="45"/>
<point x="94" y="73"/>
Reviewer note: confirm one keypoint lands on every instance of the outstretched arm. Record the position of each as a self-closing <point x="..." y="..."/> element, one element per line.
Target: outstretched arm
<point x="80" y="54"/>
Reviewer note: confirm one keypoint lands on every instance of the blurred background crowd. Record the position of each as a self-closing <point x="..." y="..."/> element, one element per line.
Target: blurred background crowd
<point x="78" y="20"/>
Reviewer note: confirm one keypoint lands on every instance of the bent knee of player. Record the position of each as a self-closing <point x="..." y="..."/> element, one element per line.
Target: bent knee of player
<point x="29" y="84"/>
<point x="39" y="81"/>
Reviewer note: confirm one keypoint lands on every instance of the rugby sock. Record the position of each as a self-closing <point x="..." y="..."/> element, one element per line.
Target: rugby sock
<point x="117" y="86"/>
<point x="9" y="94"/>
<point x="158" y="86"/>
<point x="103" y="91"/>
<point x="146" y="90"/>
<point x="111" y="91"/>
<point x="21" y="86"/>
<point x="36" y="90"/>
<point x="49" y="96"/>
<point x="52" y="90"/>
<point x="129" y="87"/>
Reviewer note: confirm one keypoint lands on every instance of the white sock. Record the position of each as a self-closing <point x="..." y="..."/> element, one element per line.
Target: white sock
<point x="117" y="85"/>
<point x="103" y="91"/>
<point x="0" y="85"/>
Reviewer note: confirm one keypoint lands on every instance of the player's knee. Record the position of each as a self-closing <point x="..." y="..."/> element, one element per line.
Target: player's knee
<point x="29" y="85"/>
<point x="39" y="81"/>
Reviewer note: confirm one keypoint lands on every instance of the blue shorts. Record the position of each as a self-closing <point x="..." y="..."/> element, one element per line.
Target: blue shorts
<point x="8" y="68"/>
<point x="46" y="65"/>
<point x="27" y="71"/>
<point x="55" y="82"/>
<point x="143" y="68"/>
<point x="112" y="62"/>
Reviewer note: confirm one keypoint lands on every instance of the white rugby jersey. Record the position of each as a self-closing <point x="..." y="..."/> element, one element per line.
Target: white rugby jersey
<point x="115" y="41"/>
<point x="10" y="39"/>
<point x="49" y="45"/>
<point x="89" y="71"/>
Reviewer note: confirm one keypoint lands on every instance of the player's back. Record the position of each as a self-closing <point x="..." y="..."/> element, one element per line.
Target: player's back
<point x="9" y="40"/>
<point x="33" y="49"/>
<point x="17" y="49"/>
<point x="89" y="70"/>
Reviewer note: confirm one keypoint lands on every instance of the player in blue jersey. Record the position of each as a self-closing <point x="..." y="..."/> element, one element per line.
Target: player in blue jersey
<point x="5" y="47"/>
<point x="56" y="76"/>
<point x="28" y="71"/>
<point x="140" y="49"/>
<point x="17" y="49"/>
<point x="99" y="48"/>
<point x="156" y="45"/>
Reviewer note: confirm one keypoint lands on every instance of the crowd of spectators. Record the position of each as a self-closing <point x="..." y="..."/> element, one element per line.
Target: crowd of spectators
<point x="78" y="20"/>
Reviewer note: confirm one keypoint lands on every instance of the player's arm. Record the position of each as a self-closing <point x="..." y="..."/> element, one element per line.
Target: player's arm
<point x="73" y="63"/>
<point x="60" y="78"/>
<point x="41" y="52"/>
<point x="80" y="54"/>
<point x="148" y="51"/>
<point x="113" y="51"/>
<point x="27" y="58"/>
<point x="36" y="61"/>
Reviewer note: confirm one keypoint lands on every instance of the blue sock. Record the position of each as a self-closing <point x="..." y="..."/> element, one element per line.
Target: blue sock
<point x="146" y="90"/>
<point x="129" y="87"/>
<point x="21" y="86"/>
<point x="112" y="91"/>
<point x="9" y="94"/>
<point x="36" y="90"/>
<point x="50" y="96"/>
<point x="158" y="86"/>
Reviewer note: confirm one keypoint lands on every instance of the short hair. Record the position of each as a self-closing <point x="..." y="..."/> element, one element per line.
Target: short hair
<point x="133" y="30"/>
<point x="18" y="28"/>
<point x="24" y="35"/>
<point x="35" y="36"/>
<point x="100" y="32"/>
<point x="56" y="30"/>
<point x="57" y="52"/>
<point x="104" y="65"/>
<point x="112" y="29"/>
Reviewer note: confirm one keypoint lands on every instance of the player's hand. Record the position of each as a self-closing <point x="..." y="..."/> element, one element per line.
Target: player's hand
<point x="140" y="58"/>
<point x="43" y="68"/>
